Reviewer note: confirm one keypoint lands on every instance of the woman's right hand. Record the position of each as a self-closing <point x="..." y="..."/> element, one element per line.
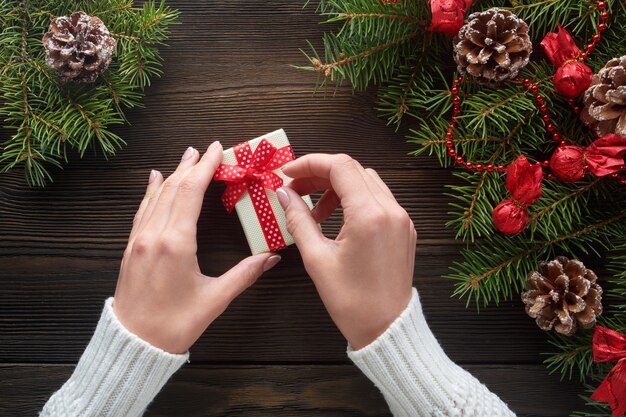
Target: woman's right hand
<point x="365" y="275"/>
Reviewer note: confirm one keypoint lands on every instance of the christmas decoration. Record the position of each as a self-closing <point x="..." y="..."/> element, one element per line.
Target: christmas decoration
<point x="602" y="157"/>
<point x="79" y="47"/>
<point x="523" y="181"/>
<point x="572" y="77"/>
<point x="252" y="174"/>
<point x="448" y="15"/>
<point x="563" y="295"/>
<point x="493" y="46"/>
<point x="609" y="345"/>
<point x="480" y="131"/>
<point x="68" y="72"/>
<point x="605" y="100"/>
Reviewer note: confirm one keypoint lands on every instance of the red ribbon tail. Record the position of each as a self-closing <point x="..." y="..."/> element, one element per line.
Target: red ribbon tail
<point x="613" y="390"/>
<point x="560" y="47"/>
<point x="605" y="155"/>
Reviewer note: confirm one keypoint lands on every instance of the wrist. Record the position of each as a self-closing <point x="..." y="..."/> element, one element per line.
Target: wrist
<point x="376" y="322"/>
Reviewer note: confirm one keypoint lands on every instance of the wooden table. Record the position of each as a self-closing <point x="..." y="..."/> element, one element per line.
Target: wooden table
<point x="274" y="352"/>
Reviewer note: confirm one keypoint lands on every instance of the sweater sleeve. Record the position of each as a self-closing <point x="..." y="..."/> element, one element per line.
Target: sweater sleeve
<point x="416" y="377"/>
<point x="119" y="374"/>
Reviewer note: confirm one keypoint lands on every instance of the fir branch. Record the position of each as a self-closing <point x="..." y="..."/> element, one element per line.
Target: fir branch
<point x="459" y="141"/>
<point x="48" y="117"/>
<point x="402" y="106"/>
<point x="350" y="16"/>
<point x="533" y="219"/>
<point x="50" y="126"/>
<point x="478" y="275"/>
<point x="126" y="37"/>
<point x="503" y="143"/>
<point x="327" y="68"/>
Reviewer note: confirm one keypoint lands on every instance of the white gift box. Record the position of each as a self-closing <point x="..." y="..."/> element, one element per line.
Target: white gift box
<point x="245" y="208"/>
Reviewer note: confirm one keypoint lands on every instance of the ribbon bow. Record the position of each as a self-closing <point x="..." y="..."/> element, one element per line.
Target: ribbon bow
<point x="572" y="76"/>
<point x="609" y="345"/>
<point x="603" y="157"/>
<point x="523" y="180"/>
<point x="254" y="172"/>
<point x="252" y="168"/>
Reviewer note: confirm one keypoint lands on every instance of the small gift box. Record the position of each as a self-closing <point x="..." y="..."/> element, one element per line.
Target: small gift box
<point x="252" y="172"/>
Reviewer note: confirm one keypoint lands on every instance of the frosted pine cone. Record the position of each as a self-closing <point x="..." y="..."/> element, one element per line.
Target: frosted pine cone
<point x="79" y="47"/>
<point x="605" y="99"/>
<point x="563" y="294"/>
<point x="492" y="46"/>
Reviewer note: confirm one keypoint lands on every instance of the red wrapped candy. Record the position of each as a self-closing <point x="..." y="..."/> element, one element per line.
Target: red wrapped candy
<point x="510" y="218"/>
<point x="448" y="15"/>
<point x="572" y="76"/>
<point x="523" y="180"/>
<point x="603" y="157"/>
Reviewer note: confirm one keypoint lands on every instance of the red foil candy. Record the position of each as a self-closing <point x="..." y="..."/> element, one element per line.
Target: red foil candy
<point x="510" y="218"/>
<point x="609" y="345"/>
<point x="448" y="15"/>
<point x="523" y="180"/>
<point x="603" y="157"/>
<point x="572" y="76"/>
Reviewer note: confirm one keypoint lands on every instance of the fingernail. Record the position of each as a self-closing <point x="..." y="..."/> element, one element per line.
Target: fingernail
<point x="286" y="165"/>
<point x="153" y="175"/>
<point x="283" y="198"/>
<point x="188" y="153"/>
<point x="271" y="262"/>
<point x="214" y="145"/>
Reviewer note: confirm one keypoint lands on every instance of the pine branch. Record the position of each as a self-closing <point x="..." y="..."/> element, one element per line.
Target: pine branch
<point x="350" y="16"/>
<point x="46" y="116"/>
<point x="498" y="269"/>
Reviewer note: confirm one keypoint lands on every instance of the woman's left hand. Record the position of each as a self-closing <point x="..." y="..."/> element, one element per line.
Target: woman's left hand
<point x="161" y="295"/>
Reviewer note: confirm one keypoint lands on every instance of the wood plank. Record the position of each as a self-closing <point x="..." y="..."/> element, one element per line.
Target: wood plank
<point x="94" y="211"/>
<point x="297" y="390"/>
<point x="49" y="306"/>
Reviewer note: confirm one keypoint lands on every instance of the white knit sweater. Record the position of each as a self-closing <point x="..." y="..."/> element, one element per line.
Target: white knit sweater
<point x="119" y="374"/>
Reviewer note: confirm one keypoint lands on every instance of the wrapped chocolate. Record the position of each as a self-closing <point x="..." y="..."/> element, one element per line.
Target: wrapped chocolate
<point x="252" y="172"/>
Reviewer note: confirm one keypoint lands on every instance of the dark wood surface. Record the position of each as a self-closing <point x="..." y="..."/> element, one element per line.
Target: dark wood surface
<point x="275" y="351"/>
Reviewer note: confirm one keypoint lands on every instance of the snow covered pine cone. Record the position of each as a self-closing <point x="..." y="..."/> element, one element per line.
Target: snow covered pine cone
<point x="605" y="99"/>
<point x="79" y="47"/>
<point x="563" y="294"/>
<point x="492" y="46"/>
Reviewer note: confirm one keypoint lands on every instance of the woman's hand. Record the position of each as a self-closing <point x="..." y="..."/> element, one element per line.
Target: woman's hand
<point x="161" y="295"/>
<point x="364" y="276"/>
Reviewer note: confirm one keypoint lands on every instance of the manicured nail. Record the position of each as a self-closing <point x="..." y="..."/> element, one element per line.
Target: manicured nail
<point x="188" y="153"/>
<point x="271" y="262"/>
<point x="285" y="165"/>
<point x="214" y="145"/>
<point x="153" y="175"/>
<point x="283" y="198"/>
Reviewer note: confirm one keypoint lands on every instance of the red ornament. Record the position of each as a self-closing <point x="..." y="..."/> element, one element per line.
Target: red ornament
<point x="448" y="15"/>
<point x="572" y="76"/>
<point x="603" y="157"/>
<point x="609" y="345"/>
<point x="523" y="180"/>
<point x="509" y="217"/>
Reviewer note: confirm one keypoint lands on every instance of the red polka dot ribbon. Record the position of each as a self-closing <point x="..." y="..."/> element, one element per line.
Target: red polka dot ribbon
<point x="254" y="172"/>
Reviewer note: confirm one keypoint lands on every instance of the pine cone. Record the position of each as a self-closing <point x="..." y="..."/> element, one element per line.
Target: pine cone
<point x="562" y="295"/>
<point x="605" y="99"/>
<point x="79" y="47"/>
<point x="492" y="46"/>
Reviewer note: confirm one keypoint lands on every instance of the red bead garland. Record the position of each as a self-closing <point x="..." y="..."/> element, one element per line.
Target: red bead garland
<point x="539" y="101"/>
